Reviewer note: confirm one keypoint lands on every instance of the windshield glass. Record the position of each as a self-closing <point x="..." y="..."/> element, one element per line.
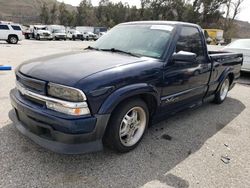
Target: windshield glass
<point x="143" y="40"/>
<point x="242" y="43"/>
<point x="59" y="31"/>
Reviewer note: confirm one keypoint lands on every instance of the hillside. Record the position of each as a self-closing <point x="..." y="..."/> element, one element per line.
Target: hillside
<point x="24" y="11"/>
<point x="242" y="29"/>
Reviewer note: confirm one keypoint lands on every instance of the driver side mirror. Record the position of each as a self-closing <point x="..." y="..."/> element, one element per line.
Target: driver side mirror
<point x="184" y="57"/>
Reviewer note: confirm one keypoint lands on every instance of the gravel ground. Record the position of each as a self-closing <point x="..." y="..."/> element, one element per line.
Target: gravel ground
<point x="188" y="155"/>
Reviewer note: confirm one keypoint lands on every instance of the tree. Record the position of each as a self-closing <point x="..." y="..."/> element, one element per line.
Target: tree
<point x="85" y="14"/>
<point x="44" y="15"/>
<point x="63" y="14"/>
<point x="133" y="14"/>
<point x="207" y="13"/>
<point x="105" y="13"/>
<point x="71" y="21"/>
<point x="53" y="14"/>
<point x="210" y="11"/>
<point x="232" y="9"/>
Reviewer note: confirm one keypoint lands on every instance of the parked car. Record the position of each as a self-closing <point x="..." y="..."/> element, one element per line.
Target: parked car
<point x="95" y="30"/>
<point x="11" y="32"/>
<point x="137" y="73"/>
<point x="27" y="31"/>
<point x="59" y="34"/>
<point x="41" y="32"/>
<point x="241" y="46"/>
<point x="74" y="35"/>
<point x="89" y="36"/>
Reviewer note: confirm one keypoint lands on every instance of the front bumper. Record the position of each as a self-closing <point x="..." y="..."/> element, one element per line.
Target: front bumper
<point x="79" y="37"/>
<point x="60" y="37"/>
<point x="45" y="36"/>
<point x="83" y="135"/>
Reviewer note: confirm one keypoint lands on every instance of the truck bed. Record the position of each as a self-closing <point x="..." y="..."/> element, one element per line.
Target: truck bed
<point x="226" y="57"/>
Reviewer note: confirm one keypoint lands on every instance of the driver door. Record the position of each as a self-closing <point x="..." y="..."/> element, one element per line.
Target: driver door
<point x="185" y="82"/>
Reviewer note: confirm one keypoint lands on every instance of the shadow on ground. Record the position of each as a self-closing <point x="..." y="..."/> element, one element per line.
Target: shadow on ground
<point x="244" y="78"/>
<point x="25" y="164"/>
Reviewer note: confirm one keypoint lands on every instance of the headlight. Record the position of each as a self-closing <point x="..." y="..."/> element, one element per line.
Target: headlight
<point x="65" y="93"/>
<point x="67" y="107"/>
<point x="75" y="109"/>
<point x="76" y="104"/>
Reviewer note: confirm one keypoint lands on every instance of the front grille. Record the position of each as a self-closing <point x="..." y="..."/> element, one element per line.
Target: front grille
<point x="46" y="34"/>
<point x="34" y="85"/>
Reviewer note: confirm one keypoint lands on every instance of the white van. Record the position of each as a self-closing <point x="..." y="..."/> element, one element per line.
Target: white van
<point x="10" y="32"/>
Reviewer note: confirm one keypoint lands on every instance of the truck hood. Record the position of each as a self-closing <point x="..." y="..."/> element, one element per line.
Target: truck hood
<point x="59" y="34"/>
<point x="69" y="68"/>
<point x="43" y="32"/>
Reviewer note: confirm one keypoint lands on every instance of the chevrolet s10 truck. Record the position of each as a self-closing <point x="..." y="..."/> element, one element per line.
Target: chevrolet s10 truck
<point x="139" y="72"/>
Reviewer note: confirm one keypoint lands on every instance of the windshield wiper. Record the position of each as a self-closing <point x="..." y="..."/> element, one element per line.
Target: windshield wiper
<point x="120" y="51"/>
<point x="92" y="48"/>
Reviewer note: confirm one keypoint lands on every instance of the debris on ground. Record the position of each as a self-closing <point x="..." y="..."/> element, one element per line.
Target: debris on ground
<point x="166" y="137"/>
<point x="227" y="146"/>
<point x="225" y="159"/>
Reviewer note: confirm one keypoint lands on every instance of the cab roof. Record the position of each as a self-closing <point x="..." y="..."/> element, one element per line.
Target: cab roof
<point x="160" y="22"/>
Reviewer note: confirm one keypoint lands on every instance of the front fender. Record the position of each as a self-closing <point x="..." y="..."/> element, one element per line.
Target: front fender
<point x="125" y="92"/>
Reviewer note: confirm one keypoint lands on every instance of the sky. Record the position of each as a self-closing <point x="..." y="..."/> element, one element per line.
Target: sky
<point x="244" y="15"/>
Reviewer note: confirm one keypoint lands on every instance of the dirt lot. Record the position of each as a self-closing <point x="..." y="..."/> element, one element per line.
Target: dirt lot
<point x="191" y="158"/>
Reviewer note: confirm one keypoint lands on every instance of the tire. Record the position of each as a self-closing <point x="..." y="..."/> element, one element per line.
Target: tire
<point x="38" y="37"/>
<point x="12" y="39"/>
<point x="74" y="38"/>
<point x="221" y="94"/>
<point x="27" y="36"/>
<point x="124" y="131"/>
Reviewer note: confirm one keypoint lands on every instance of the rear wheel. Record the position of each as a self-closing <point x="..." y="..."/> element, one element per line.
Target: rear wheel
<point x="127" y="125"/>
<point x="12" y="39"/>
<point x="221" y="94"/>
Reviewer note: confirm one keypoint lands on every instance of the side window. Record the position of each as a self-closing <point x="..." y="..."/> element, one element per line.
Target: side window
<point x="190" y="41"/>
<point x="4" y="27"/>
<point x="16" y="27"/>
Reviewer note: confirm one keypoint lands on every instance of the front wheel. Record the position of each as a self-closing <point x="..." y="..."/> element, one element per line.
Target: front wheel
<point x="221" y="94"/>
<point x="127" y="125"/>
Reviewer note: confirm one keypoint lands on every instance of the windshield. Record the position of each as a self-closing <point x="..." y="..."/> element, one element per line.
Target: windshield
<point x="143" y="40"/>
<point x="59" y="31"/>
<point x="241" y="43"/>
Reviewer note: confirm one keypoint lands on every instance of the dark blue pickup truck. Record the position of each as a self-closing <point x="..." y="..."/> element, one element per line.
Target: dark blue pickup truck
<point x="139" y="72"/>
